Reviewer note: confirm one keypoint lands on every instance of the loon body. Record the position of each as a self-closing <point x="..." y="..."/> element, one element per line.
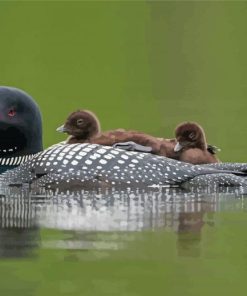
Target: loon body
<point x="20" y="127"/>
<point x="96" y="164"/>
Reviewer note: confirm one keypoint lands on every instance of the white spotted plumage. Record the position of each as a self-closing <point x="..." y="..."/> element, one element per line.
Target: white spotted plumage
<point x="90" y="161"/>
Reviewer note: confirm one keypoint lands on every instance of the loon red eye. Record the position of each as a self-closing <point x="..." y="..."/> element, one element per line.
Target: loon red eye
<point x="12" y="112"/>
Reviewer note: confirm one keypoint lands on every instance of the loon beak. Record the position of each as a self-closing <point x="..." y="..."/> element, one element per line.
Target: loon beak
<point x="178" y="147"/>
<point x="61" y="129"/>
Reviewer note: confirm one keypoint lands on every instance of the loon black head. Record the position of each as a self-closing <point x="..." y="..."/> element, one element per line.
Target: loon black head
<point x="81" y="124"/>
<point x="20" y="124"/>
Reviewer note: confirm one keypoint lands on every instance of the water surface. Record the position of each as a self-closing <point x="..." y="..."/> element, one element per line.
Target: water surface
<point x="122" y="242"/>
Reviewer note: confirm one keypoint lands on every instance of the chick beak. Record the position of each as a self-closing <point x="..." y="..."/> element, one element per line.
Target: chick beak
<point x="61" y="129"/>
<point x="178" y="147"/>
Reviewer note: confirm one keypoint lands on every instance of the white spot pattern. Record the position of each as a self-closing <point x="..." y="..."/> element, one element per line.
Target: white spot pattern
<point x="125" y="166"/>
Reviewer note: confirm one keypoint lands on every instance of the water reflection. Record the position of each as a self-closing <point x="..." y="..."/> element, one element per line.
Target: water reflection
<point x="19" y="234"/>
<point x="85" y="215"/>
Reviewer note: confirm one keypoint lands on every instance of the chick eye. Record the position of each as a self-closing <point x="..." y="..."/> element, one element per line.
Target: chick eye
<point x="12" y="112"/>
<point x="192" y="136"/>
<point x="79" y="121"/>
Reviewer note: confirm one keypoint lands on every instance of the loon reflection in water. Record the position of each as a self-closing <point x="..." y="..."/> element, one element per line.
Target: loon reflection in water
<point x="114" y="211"/>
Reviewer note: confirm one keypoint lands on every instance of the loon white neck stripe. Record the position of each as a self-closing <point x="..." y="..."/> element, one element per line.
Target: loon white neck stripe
<point x="11" y="161"/>
<point x="17" y="160"/>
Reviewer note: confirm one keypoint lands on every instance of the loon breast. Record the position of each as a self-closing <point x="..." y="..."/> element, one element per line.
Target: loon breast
<point x="84" y="162"/>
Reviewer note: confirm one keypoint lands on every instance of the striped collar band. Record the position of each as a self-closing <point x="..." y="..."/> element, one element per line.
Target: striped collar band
<point x="17" y="160"/>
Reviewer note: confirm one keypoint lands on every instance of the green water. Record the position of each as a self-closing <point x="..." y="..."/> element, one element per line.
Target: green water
<point x="119" y="243"/>
<point x="147" y="66"/>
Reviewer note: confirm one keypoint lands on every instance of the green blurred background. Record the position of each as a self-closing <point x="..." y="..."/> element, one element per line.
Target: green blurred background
<point x="139" y="65"/>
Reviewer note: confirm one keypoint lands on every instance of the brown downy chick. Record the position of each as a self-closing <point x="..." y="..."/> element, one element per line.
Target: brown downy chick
<point x="192" y="145"/>
<point x="81" y="125"/>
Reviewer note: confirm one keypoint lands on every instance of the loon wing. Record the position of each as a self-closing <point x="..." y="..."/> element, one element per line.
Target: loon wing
<point x="132" y="146"/>
<point x="84" y="162"/>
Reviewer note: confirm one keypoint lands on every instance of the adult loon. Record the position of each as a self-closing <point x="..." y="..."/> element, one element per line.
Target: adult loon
<point x="85" y="162"/>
